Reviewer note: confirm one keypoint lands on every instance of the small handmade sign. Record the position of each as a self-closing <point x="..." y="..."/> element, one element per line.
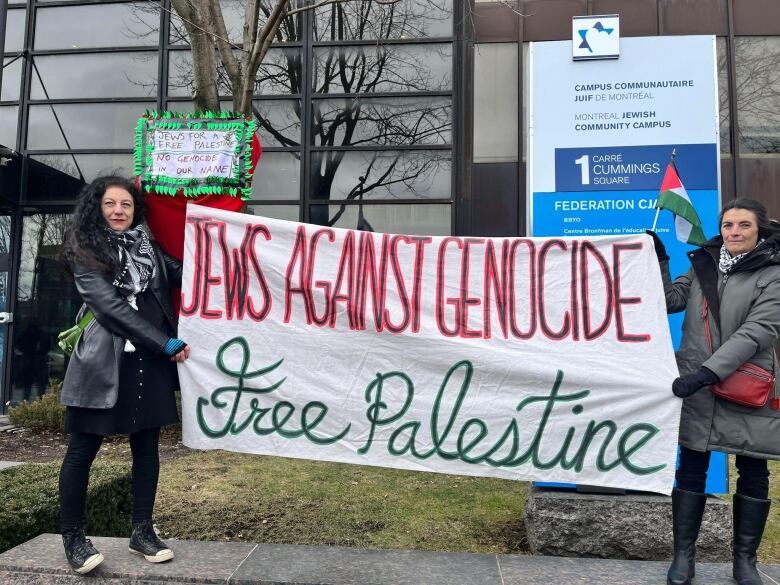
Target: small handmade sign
<point x="200" y="153"/>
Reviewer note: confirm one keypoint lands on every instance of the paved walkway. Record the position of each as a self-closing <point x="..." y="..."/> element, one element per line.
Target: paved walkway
<point x="41" y="561"/>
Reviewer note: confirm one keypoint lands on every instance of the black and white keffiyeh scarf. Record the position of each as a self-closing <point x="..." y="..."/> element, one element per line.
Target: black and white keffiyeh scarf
<point x="137" y="263"/>
<point x="728" y="262"/>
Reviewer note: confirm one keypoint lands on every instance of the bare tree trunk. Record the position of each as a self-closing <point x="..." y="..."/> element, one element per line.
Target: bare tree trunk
<point x="242" y="100"/>
<point x="204" y="60"/>
<point x="205" y="26"/>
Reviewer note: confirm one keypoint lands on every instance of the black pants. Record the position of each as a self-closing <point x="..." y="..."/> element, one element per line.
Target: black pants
<point x="74" y="475"/>
<point x="753" y="480"/>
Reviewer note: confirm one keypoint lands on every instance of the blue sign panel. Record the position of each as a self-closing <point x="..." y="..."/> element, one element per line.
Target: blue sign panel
<point x="629" y="168"/>
<point x="597" y="213"/>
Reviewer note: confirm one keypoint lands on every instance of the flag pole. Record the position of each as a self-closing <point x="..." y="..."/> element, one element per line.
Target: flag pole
<point x="655" y="221"/>
<point x="658" y="209"/>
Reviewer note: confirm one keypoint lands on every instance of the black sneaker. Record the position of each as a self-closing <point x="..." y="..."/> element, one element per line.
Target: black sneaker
<point x="82" y="556"/>
<point x="144" y="541"/>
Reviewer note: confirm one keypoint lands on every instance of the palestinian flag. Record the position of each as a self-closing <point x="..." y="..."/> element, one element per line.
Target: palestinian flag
<point x="674" y="198"/>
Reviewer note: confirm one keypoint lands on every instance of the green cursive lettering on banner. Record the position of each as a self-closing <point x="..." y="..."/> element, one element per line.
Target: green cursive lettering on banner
<point x="471" y="434"/>
<point x="312" y="414"/>
<point x="467" y="441"/>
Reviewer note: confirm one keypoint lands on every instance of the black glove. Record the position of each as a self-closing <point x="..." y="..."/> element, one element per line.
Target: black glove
<point x="660" y="249"/>
<point x="685" y="386"/>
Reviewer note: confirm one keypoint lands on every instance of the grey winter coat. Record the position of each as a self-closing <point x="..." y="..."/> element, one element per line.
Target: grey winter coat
<point x="92" y="377"/>
<point x="744" y="321"/>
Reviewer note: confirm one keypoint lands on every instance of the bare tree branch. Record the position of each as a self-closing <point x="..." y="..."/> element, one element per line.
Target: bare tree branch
<point x="226" y="54"/>
<point x="205" y="95"/>
<point x="243" y="98"/>
<point x="322" y="3"/>
<point x="340" y="174"/>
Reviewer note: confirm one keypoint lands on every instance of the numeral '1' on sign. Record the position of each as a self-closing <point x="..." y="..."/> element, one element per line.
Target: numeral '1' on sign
<point x="584" y="162"/>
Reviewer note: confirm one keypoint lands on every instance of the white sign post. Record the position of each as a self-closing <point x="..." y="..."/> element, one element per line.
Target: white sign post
<point x="521" y="358"/>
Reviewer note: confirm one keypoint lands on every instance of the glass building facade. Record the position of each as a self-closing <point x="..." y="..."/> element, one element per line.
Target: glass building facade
<point x="411" y="115"/>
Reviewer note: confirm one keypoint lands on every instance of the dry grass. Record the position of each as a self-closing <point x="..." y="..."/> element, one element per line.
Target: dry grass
<point x="229" y="496"/>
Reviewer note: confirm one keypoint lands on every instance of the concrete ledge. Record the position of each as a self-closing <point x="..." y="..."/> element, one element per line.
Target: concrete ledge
<point x="41" y="561"/>
<point x="9" y="464"/>
<point x="634" y="526"/>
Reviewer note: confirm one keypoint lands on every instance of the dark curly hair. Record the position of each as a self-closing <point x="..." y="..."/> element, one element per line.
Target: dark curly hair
<point x="85" y="238"/>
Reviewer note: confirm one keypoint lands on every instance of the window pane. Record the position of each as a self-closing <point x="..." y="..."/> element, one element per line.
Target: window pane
<point x="277" y="176"/>
<point x="12" y="78"/>
<point x="412" y="174"/>
<point x="279" y="122"/>
<point x="383" y="68"/>
<point x="757" y="62"/>
<point x="51" y="182"/>
<point x="91" y="165"/>
<point x="410" y="19"/>
<point x="723" y="96"/>
<point x="181" y="77"/>
<point x="233" y="13"/>
<point x="382" y="121"/>
<point x="495" y="102"/>
<point x="97" y="25"/>
<point x="14" y="30"/>
<point x="9" y="119"/>
<point x="85" y="125"/>
<point x="280" y="73"/>
<point x="286" y="212"/>
<point x="47" y="303"/>
<point x="427" y="219"/>
<point x="105" y="75"/>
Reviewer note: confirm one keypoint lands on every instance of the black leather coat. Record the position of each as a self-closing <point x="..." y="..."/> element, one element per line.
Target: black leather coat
<point x="92" y="377"/>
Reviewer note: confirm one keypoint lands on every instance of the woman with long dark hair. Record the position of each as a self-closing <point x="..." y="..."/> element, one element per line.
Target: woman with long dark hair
<point x="731" y="298"/>
<point x="121" y="376"/>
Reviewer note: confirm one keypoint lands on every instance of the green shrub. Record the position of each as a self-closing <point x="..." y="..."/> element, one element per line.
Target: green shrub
<point x="42" y="414"/>
<point x="31" y="502"/>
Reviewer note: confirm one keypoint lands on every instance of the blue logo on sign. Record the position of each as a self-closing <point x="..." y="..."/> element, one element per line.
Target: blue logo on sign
<point x="599" y="28"/>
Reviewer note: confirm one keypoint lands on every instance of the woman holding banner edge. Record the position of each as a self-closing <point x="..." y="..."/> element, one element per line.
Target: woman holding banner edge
<point x="124" y="279"/>
<point x="732" y="294"/>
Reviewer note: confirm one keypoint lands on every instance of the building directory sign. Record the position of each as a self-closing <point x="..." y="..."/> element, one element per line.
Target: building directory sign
<point x="601" y="133"/>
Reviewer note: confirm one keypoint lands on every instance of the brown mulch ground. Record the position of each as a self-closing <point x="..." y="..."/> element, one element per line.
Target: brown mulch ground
<point x="41" y="447"/>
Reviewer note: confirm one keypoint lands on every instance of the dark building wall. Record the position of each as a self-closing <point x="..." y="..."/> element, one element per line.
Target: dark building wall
<point x="749" y="78"/>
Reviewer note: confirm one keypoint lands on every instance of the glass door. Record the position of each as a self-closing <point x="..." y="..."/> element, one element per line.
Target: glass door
<point x="6" y="220"/>
<point x="46" y="303"/>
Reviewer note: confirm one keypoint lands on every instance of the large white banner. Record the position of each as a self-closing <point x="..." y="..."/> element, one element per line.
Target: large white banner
<point x="522" y="358"/>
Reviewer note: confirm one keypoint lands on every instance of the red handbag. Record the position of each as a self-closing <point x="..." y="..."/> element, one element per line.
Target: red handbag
<point x="750" y="385"/>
